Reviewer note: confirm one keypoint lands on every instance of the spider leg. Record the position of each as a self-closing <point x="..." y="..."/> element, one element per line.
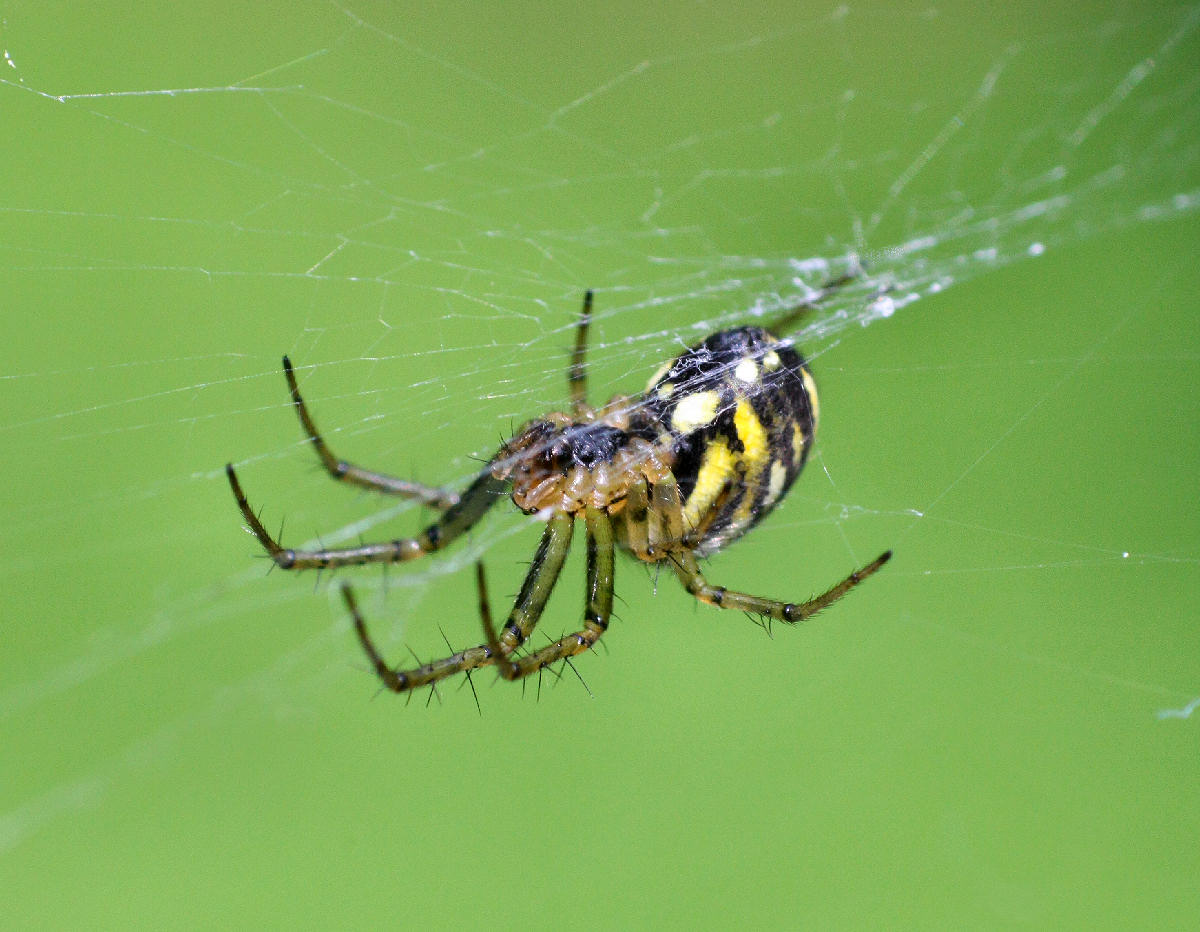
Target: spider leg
<point x="651" y="525"/>
<point x="784" y="321"/>
<point x="688" y="571"/>
<point x="635" y="521"/>
<point x="539" y="582"/>
<point x="596" y="613"/>
<point x="577" y="374"/>
<point x="667" y="542"/>
<point x="458" y="518"/>
<point x="343" y="471"/>
<point x="665" y="528"/>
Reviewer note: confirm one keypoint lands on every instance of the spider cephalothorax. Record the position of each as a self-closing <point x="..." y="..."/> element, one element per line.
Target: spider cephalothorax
<point x="560" y="463"/>
<point x="707" y="451"/>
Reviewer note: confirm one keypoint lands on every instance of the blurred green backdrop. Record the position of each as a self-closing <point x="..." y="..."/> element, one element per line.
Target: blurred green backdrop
<point x="410" y="201"/>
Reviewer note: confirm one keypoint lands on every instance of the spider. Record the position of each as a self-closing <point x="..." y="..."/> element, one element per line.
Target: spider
<point x="672" y="475"/>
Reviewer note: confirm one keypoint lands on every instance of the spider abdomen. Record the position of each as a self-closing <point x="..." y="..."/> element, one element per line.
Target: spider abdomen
<point x="738" y="412"/>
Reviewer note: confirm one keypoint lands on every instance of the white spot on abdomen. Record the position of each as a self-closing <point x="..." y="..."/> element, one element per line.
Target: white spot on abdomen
<point x="746" y="371"/>
<point x="695" y="410"/>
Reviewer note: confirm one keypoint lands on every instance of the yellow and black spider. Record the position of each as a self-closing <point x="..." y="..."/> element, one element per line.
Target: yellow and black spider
<point x="677" y="473"/>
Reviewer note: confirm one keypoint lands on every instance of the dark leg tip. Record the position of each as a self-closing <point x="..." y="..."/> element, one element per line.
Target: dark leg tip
<point x="287" y="364"/>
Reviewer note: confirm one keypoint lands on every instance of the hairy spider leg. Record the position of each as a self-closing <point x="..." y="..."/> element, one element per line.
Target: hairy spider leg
<point x="577" y="373"/>
<point x="539" y="581"/>
<point x="595" y="616"/>
<point x="347" y="472"/>
<point x="484" y="492"/>
<point x="688" y="571"/>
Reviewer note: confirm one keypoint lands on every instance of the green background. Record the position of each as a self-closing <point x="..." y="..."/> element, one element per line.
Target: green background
<point x="410" y="203"/>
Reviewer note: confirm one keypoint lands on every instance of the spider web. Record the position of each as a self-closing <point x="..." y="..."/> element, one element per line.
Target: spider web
<point x="413" y="216"/>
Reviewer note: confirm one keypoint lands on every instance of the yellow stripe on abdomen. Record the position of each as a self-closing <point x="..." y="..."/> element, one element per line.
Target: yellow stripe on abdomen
<point x="716" y="469"/>
<point x="756" y="457"/>
<point x="753" y="435"/>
